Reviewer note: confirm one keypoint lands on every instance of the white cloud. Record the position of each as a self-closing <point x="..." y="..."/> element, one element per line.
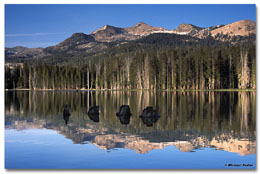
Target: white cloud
<point x="31" y="34"/>
<point x="30" y="44"/>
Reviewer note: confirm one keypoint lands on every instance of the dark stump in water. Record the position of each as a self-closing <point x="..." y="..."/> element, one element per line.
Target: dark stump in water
<point x="66" y="114"/>
<point x="93" y="113"/>
<point x="149" y="116"/>
<point x="124" y="114"/>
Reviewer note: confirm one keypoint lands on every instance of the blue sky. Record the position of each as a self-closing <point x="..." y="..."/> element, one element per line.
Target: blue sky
<point x="47" y="25"/>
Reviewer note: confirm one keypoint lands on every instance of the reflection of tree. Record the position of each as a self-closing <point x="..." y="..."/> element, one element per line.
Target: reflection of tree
<point x="211" y="113"/>
<point x="245" y="108"/>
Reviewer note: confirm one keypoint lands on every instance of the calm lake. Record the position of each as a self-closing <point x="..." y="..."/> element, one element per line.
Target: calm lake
<point x="195" y="130"/>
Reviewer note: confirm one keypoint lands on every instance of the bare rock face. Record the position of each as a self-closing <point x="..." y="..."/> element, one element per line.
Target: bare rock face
<point x="205" y="32"/>
<point x="100" y="29"/>
<point x="143" y="29"/>
<point x="241" y="28"/>
<point x="108" y="30"/>
<point x="109" y="33"/>
<point x="187" y="29"/>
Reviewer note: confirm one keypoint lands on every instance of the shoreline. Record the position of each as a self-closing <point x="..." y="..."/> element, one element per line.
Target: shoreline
<point x="137" y="90"/>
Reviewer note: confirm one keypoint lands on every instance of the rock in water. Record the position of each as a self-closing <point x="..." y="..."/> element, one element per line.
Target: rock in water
<point x="93" y="113"/>
<point x="124" y="119"/>
<point x="124" y="110"/>
<point x="149" y="116"/>
<point x="124" y="114"/>
<point x="66" y="114"/>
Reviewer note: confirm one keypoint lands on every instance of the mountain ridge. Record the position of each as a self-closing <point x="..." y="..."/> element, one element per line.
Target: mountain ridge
<point x="142" y="29"/>
<point x="108" y="35"/>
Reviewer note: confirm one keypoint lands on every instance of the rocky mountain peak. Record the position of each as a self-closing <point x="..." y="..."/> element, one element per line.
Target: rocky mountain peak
<point x="106" y="28"/>
<point x="78" y="38"/>
<point x="74" y="40"/>
<point x="100" y="29"/>
<point x="187" y="28"/>
<point x="245" y="22"/>
<point x="109" y="33"/>
<point x="143" y="29"/>
<point x="142" y="24"/>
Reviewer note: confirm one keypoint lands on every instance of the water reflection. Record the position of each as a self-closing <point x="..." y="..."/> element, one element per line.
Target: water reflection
<point x="225" y="120"/>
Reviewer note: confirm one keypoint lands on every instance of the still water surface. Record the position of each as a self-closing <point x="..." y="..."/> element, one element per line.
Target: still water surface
<point x="195" y="130"/>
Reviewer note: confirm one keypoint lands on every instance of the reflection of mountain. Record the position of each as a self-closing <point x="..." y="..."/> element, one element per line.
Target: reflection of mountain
<point x="241" y="146"/>
<point x="105" y="138"/>
<point x="230" y="131"/>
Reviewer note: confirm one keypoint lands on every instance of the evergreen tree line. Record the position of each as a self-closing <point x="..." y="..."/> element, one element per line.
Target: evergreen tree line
<point x="146" y="67"/>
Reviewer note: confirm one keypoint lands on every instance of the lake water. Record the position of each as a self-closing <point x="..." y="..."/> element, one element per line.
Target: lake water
<point x="195" y="130"/>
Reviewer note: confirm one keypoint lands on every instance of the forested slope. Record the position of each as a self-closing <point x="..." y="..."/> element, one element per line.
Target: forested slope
<point x="157" y="62"/>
